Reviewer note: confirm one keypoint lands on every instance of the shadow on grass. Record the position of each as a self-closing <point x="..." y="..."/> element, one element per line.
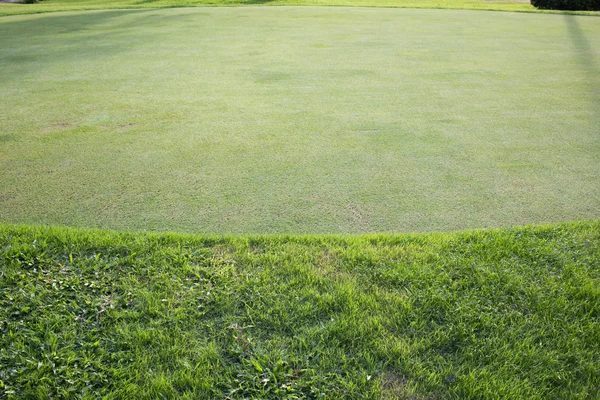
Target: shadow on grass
<point x="59" y="23"/>
<point x="57" y="35"/>
<point x="64" y="37"/>
<point x="586" y="58"/>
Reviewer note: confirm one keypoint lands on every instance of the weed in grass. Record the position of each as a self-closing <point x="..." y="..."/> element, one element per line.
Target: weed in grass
<point x="502" y="313"/>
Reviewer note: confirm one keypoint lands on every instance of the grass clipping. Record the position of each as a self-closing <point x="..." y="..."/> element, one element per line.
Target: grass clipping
<point x="488" y="314"/>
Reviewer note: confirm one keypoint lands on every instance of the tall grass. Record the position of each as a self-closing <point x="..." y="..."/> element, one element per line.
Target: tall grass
<point x="510" y="313"/>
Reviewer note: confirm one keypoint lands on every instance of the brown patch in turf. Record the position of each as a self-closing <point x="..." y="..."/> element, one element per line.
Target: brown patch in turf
<point x="359" y="216"/>
<point x="393" y="386"/>
<point x="56" y="126"/>
<point x="124" y="127"/>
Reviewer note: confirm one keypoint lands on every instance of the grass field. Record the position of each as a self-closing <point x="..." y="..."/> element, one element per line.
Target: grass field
<point x="70" y="5"/>
<point x="511" y="314"/>
<point x="73" y="5"/>
<point x="299" y="119"/>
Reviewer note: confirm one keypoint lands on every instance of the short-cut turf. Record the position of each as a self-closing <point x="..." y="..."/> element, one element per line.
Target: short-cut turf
<point x="71" y="5"/>
<point x="299" y="119"/>
<point x="499" y="314"/>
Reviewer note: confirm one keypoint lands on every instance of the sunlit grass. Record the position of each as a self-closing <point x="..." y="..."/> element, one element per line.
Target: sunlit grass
<point x="488" y="314"/>
<point x="298" y="119"/>
<point x="70" y="5"/>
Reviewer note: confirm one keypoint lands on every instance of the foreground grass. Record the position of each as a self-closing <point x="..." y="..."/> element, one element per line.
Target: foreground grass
<point x="506" y="314"/>
<point x="298" y="119"/>
<point x="71" y="5"/>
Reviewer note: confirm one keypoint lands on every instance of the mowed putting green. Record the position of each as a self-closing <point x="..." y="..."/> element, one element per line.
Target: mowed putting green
<point x="72" y="5"/>
<point x="299" y="119"/>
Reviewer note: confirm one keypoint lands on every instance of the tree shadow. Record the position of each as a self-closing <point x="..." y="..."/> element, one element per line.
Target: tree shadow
<point x="586" y="59"/>
<point x="57" y="23"/>
<point x="64" y="37"/>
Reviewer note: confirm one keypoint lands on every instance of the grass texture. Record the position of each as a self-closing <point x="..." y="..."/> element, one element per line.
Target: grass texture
<point x="511" y="314"/>
<point x="298" y="119"/>
<point x="71" y="5"/>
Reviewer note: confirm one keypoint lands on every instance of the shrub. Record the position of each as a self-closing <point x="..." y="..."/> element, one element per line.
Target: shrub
<point x="574" y="5"/>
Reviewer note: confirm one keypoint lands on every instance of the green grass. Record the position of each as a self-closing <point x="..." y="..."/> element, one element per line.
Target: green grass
<point x="298" y="119"/>
<point x="70" y="5"/>
<point x="511" y="314"/>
